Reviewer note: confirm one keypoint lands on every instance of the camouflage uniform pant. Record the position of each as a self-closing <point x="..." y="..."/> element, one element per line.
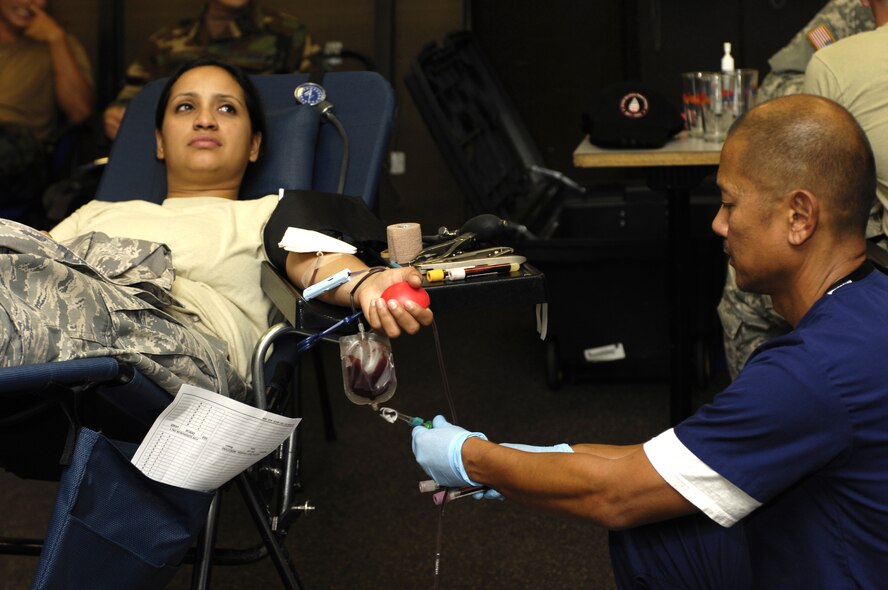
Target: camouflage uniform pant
<point x="102" y="296"/>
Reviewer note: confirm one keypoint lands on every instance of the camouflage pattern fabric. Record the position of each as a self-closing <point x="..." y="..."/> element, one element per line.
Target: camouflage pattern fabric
<point x="263" y="41"/>
<point x="842" y="18"/>
<point x="748" y="319"/>
<point x="101" y="296"/>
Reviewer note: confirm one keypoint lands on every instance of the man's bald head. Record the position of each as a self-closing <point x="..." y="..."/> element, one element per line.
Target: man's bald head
<point x="805" y="142"/>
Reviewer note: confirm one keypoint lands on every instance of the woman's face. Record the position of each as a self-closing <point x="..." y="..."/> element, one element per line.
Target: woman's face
<point x="206" y="140"/>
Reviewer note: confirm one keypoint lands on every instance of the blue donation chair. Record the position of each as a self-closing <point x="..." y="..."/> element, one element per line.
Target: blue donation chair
<point x="303" y="152"/>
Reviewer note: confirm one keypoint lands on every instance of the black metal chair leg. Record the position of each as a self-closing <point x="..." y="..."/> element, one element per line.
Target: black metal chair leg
<point x="277" y="551"/>
<point x="203" y="561"/>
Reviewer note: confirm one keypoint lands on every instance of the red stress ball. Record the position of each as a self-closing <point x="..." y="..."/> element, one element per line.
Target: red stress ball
<point x="402" y="292"/>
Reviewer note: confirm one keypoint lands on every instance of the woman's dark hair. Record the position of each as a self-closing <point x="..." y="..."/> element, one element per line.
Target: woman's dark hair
<point x="251" y="96"/>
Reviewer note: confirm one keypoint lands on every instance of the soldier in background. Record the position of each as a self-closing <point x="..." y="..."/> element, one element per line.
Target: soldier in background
<point x="749" y="319"/>
<point x="836" y="20"/>
<point x="239" y="32"/>
<point x="44" y="73"/>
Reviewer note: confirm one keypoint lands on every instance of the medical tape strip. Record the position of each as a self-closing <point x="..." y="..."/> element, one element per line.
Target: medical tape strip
<point x="404" y="241"/>
<point x="309" y="276"/>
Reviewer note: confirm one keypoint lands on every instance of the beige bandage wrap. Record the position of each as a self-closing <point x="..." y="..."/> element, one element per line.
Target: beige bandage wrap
<point x="404" y="241"/>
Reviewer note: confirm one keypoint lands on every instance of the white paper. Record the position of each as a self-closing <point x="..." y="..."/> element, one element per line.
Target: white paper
<point x="305" y="240"/>
<point x="203" y="439"/>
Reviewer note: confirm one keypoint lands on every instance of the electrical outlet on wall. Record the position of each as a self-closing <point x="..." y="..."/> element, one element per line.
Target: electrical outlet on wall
<point x="397" y="163"/>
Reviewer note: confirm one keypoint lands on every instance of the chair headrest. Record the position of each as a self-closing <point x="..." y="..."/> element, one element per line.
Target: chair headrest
<point x="364" y="103"/>
<point x="134" y="172"/>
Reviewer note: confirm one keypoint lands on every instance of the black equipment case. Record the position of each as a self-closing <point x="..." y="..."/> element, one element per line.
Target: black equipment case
<point x="603" y="252"/>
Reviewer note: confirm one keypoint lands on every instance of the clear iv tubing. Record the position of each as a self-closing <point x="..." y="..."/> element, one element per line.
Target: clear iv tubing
<point x="310" y="341"/>
<point x="445" y="495"/>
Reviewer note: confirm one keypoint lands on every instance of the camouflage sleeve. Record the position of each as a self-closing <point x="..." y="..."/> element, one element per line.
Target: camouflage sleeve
<point x="780" y="84"/>
<point x="838" y="19"/>
<point x="301" y="47"/>
<point x="141" y="71"/>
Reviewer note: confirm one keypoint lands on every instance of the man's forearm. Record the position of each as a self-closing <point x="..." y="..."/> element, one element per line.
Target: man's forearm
<point x="74" y="93"/>
<point x="606" y="451"/>
<point x="612" y="492"/>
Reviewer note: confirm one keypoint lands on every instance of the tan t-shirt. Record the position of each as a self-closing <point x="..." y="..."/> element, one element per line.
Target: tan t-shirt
<point x="27" y="97"/>
<point x="852" y="72"/>
<point x="217" y="250"/>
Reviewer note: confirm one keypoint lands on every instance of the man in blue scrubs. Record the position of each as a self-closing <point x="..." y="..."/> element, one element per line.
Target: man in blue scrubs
<point x="782" y="481"/>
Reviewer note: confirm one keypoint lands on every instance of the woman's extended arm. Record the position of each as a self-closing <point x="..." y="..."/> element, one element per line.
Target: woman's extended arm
<point x="304" y="270"/>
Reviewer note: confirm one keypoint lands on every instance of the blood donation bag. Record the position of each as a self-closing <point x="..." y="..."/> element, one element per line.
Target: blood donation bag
<point x="368" y="368"/>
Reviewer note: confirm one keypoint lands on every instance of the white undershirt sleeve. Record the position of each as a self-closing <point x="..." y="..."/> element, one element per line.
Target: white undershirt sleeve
<point x="714" y="495"/>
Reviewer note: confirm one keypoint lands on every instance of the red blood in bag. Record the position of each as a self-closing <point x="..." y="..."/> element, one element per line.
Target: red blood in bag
<point x="403" y="292"/>
<point x="369" y="382"/>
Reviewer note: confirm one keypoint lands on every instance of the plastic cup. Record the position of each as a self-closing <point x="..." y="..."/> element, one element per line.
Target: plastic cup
<point x="726" y="96"/>
<point x="718" y="104"/>
<point x="746" y="87"/>
<point x="692" y="98"/>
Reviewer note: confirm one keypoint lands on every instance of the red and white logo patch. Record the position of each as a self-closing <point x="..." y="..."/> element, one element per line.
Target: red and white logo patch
<point x="634" y="105"/>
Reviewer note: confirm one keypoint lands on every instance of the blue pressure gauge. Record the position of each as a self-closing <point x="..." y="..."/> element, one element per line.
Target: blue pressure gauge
<point x="310" y="94"/>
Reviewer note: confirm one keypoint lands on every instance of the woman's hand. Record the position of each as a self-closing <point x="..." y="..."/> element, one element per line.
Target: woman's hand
<point x="392" y="317"/>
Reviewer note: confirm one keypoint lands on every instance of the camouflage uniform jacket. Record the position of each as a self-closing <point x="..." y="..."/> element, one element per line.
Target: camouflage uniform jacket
<point x="100" y="296"/>
<point x="262" y="41"/>
<point x="836" y="20"/>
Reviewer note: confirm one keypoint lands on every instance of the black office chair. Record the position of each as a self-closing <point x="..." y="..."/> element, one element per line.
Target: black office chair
<point x="301" y="156"/>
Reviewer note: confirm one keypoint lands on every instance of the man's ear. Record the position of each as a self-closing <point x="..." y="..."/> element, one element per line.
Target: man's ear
<point x="255" y="142"/>
<point x="804" y="215"/>
<point x="159" y="141"/>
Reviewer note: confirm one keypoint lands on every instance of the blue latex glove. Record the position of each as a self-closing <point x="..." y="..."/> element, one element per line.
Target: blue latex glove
<point x="492" y="494"/>
<point x="438" y="451"/>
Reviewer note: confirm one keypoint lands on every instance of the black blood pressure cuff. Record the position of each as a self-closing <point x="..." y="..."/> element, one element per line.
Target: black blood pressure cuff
<point x="339" y="216"/>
